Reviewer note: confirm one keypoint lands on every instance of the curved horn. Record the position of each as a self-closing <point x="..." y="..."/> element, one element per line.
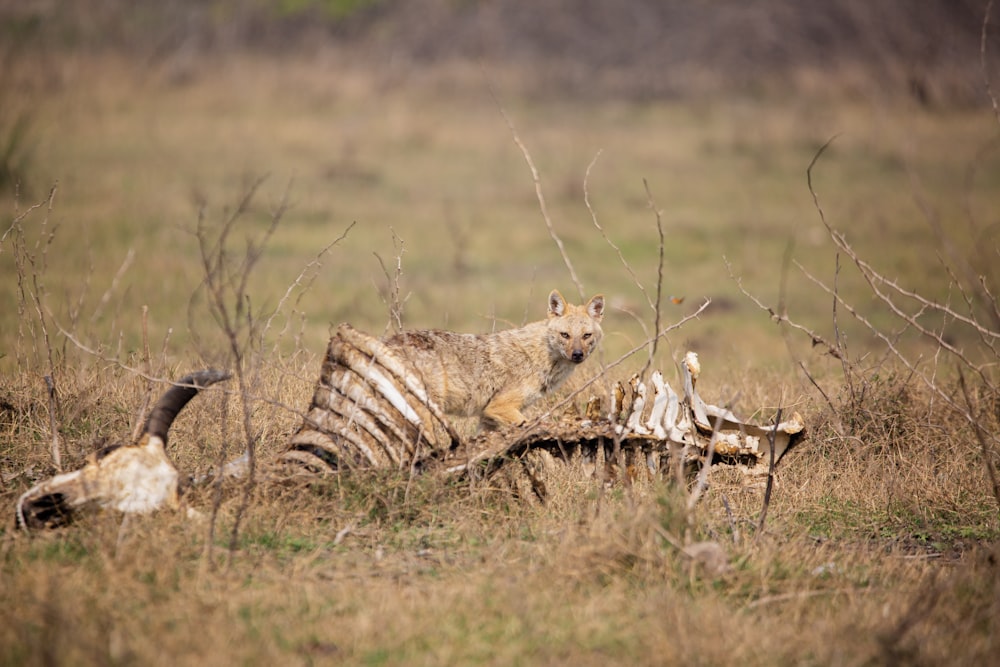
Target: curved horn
<point x="177" y="397"/>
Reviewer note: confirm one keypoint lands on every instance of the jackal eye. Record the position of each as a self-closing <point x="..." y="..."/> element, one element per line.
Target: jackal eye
<point x="587" y="336"/>
<point x="565" y="335"/>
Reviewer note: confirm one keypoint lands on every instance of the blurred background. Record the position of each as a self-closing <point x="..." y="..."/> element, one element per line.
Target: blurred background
<point x="637" y="49"/>
<point x="634" y="49"/>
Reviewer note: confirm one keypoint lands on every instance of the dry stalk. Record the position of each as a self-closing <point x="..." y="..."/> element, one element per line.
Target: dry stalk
<point x="140" y="417"/>
<point x="845" y="365"/>
<point x="885" y="290"/>
<point x="393" y="302"/>
<point x="601" y="469"/>
<point x="539" y="194"/>
<point x="50" y="385"/>
<point x="225" y="282"/>
<point x="35" y="263"/>
<point x="604" y="235"/>
<point x="702" y="482"/>
<point x="106" y="297"/>
<point x="653" y="304"/>
<point x="659" y="275"/>
<point x="19" y="251"/>
<point x="782" y="318"/>
<point x="307" y="275"/>
<point x="218" y="483"/>
<point x="770" y="478"/>
<point x="991" y="469"/>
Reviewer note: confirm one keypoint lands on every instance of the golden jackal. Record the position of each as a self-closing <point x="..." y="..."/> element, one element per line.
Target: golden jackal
<point x="494" y="375"/>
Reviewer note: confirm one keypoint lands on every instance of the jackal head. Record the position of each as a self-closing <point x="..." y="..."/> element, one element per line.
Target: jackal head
<point x="574" y="331"/>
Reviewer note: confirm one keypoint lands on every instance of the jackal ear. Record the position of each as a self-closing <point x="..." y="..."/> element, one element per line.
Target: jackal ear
<point x="557" y="304"/>
<point x="595" y="307"/>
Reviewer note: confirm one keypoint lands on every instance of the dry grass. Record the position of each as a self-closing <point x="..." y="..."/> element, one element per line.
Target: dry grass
<point x="880" y="542"/>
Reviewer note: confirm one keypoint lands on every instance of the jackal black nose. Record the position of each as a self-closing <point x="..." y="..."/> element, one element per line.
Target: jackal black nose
<point x="577" y="356"/>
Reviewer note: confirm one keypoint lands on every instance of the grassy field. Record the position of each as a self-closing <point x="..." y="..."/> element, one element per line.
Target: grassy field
<point x="880" y="541"/>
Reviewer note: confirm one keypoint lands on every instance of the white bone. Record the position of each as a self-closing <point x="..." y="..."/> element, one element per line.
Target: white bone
<point x="634" y="423"/>
<point x="659" y="408"/>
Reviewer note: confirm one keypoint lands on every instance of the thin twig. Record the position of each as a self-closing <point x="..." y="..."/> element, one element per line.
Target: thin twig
<point x="874" y="279"/>
<point x="659" y="275"/>
<point x="53" y="426"/>
<point x="811" y="379"/>
<point x="783" y="318"/>
<point x="539" y="194"/>
<point x="219" y="478"/>
<point x="770" y="476"/>
<point x="129" y="258"/>
<point x="394" y="303"/>
<point x="706" y="464"/>
<point x="846" y="367"/>
<point x="310" y="270"/>
<point x="604" y="235"/>
<point x="981" y="436"/>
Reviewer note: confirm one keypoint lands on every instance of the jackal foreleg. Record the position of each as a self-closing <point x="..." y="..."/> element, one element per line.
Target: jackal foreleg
<point x="504" y="409"/>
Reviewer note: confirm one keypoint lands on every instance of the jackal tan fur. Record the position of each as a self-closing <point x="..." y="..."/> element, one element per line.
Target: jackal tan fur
<point x="493" y="376"/>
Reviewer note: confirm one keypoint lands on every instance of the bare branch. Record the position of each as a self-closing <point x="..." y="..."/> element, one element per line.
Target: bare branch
<point x="783" y="318"/>
<point x="888" y="341"/>
<point x="126" y="263"/>
<point x="659" y="275"/>
<point x="706" y="464"/>
<point x="593" y="217"/>
<point x="394" y="302"/>
<point x="981" y="436"/>
<point x="770" y="477"/>
<point x="310" y="270"/>
<point x="541" y="197"/>
<point x="875" y="280"/>
<point x="53" y="425"/>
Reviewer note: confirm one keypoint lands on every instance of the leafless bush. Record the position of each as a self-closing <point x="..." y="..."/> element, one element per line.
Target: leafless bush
<point x="225" y="287"/>
<point x="878" y="392"/>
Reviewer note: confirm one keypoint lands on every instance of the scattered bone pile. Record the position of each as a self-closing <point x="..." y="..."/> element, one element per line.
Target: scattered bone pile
<point x="370" y="409"/>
